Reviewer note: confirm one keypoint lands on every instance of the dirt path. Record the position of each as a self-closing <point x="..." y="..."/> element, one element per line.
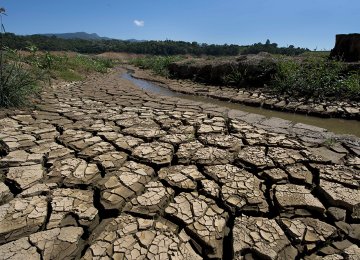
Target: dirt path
<point x="103" y="170"/>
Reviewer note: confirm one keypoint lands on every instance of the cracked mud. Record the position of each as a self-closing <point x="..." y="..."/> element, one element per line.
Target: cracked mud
<point x="102" y="170"/>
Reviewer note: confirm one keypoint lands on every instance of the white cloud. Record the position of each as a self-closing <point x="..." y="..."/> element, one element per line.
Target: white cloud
<point x="139" y="23"/>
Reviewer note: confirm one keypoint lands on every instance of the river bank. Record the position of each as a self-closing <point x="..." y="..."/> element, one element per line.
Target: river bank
<point x="336" y="125"/>
<point x="259" y="97"/>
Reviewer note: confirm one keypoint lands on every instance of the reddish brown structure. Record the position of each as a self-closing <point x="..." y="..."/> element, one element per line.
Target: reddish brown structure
<point x="347" y="47"/>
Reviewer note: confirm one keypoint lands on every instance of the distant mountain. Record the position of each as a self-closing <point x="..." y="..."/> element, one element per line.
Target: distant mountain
<point x="77" y="35"/>
<point x="84" y="36"/>
<point x="134" y="40"/>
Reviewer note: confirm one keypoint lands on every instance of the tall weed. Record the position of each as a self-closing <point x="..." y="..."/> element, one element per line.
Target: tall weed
<point x="17" y="84"/>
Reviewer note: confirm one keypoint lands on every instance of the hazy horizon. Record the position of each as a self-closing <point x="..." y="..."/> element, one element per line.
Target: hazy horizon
<point x="310" y="24"/>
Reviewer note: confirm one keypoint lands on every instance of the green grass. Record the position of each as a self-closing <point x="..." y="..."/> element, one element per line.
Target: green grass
<point x="158" y="64"/>
<point x="67" y="75"/>
<point x="69" y="67"/>
<point x="330" y="142"/>
<point x="22" y="75"/>
<point x="82" y="63"/>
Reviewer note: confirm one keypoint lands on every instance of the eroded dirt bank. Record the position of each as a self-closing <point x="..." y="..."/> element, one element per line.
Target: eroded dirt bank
<point x="257" y="97"/>
<point x="103" y="170"/>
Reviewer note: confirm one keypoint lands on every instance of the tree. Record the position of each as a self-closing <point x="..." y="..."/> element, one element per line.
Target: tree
<point x="267" y="42"/>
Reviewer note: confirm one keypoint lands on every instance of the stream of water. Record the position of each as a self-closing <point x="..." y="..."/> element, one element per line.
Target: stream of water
<point x="336" y="125"/>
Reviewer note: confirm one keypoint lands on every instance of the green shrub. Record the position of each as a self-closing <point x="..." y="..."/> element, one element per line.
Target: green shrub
<point x="158" y="64"/>
<point x="315" y="78"/>
<point x="351" y="83"/>
<point x="235" y="77"/>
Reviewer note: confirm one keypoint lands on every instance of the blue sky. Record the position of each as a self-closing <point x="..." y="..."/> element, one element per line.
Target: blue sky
<point x="306" y="23"/>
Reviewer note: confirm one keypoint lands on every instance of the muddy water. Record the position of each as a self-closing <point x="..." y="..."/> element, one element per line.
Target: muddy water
<point x="336" y="125"/>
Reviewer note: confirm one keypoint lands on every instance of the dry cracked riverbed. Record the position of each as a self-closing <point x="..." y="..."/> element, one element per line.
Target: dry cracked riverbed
<point x="103" y="170"/>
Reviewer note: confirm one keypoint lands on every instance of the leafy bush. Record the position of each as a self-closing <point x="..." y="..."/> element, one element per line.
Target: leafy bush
<point x="158" y="64"/>
<point x="351" y="82"/>
<point x="315" y="78"/>
<point x="235" y="77"/>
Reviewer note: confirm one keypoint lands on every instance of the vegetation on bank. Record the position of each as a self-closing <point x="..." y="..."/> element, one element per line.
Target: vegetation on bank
<point x="316" y="78"/>
<point x="24" y="73"/>
<point x="309" y="77"/>
<point x="158" y="64"/>
<point x="166" y="48"/>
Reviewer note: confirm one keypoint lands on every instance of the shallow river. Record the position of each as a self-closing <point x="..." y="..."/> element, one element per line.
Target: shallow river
<point x="336" y="125"/>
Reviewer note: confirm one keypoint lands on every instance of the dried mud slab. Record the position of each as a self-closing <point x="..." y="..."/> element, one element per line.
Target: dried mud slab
<point x="68" y="202"/>
<point x="21" y="158"/>
<point x="187" y="151"/>
<point x="255" y="157"/>
<point x="182" y="177"/>
<point x="144" y="132"/>
<point x="285" y="156"/>
<point x="111" y="161"/>
<point x="52" y="151"/>
<point x="152" y="201"/>
<point x="340" y="195"/>
<point x="17" y="141"/>
<point x="241" y="190"/>
<point x="96" y="150"/>
<point x="222" y="141"/>
<point x="124" y="183"/>
<point x="39" y="189"/>
<point x="207" y="129"/>
<point x="58" y="243"/>
<point x="21" y="217"/>
<point x="203" y="219"/>
<point x="300" y="173"/>
<point x="154" y="153"/>
<point x="340" y="174"/>
<point x="274" y="175"/>
<point x="212" y="156"/>
<point x="26" y="176"/>
<point x="262" y="238"/>
<point x="291" y="197"/>
<point x="177" y="139"/>
<point x="124" y="142"/>
<point x="19" y="249"/>
<point x="308" y="232"/>
<point x="127" y="237"/>
<point x="74" y="171"/>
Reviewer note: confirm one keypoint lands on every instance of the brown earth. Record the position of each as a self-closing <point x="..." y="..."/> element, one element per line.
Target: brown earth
<point x="347" y="47"/>
<point x="103" y="170"/>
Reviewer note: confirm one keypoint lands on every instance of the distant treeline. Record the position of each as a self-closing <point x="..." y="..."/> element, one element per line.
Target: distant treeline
<point x="167" y="47"/>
